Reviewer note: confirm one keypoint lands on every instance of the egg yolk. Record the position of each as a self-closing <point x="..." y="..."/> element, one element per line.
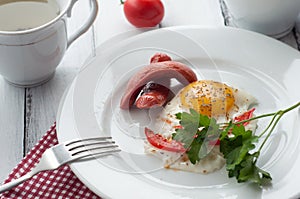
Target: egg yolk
<point x="208" y="98"/>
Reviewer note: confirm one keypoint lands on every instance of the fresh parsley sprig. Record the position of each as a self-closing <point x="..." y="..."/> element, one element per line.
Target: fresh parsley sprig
<point x="196" y="132"/>
<point x="236" y="147"/>
<point x="236" y="143"/>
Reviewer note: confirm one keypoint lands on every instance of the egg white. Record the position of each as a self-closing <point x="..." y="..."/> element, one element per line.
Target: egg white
<point x="167" y="122"/>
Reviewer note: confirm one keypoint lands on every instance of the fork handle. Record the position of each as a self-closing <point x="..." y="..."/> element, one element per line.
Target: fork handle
<point x="9" y="185"/>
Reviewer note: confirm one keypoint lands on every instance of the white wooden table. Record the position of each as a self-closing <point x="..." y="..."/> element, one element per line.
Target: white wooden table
<point x="26" y="114"/>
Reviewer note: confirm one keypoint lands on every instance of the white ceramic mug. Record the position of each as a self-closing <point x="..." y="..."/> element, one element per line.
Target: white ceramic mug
<point x="275" y="18"/>
<point x="30" y="57"/>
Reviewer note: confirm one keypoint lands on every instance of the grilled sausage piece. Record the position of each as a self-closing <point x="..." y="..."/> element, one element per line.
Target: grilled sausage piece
<point x="155" y="71"/>
<point x="153" y="95"/>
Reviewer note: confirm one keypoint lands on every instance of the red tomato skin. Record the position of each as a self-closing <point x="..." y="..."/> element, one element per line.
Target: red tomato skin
<point x="245" y="116"/>
<point x="144" y="13"/>
<point x="160" y="142"/>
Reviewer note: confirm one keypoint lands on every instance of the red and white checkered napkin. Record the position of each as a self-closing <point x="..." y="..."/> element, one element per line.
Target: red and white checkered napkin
<point x="59" y="183"/>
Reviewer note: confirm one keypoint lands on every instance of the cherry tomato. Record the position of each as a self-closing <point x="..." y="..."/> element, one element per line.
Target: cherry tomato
<point x="245" y="116"/>
<point x="144" y="13"/>
<point x="161" y="142"/>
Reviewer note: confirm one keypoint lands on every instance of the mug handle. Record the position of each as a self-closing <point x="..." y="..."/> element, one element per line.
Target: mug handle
<point x="86" y="25"/>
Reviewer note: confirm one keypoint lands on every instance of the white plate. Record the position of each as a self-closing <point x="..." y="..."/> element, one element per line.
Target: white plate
<point x="262" y="66"/>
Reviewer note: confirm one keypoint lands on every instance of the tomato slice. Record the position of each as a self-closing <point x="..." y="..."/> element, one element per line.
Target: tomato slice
<point x="245" y="116"/>
<point x="160" y="142"/>
<point x="215" y="142"/>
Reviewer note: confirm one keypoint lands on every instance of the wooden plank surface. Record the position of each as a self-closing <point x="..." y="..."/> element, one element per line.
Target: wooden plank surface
<point x="110" y="21"/>
<point x="200" y="12"/>
<point x="11" y="126"/>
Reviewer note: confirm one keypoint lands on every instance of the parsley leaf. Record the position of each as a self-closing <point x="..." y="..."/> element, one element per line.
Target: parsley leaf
<point x="240" y="163"/>
<point x="197" y="130"/>
<point x="248" y="171"/>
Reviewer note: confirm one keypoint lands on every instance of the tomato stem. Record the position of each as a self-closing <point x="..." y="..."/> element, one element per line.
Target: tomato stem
<point x="122" y="2"/>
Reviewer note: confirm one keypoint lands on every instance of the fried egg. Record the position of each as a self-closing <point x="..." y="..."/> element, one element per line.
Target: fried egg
<point x="211" y="98"/>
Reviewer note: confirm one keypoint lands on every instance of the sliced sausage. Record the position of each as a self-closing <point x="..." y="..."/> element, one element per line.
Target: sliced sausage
<point x="153" y="95"/>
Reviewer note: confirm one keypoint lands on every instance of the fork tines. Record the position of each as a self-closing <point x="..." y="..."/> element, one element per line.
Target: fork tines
<point x="92" y="146"/>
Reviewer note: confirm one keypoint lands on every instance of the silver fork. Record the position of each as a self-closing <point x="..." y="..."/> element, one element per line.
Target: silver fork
<point x="67" y="152"/>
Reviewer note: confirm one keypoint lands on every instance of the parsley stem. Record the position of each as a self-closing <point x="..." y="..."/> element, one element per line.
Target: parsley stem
<point x="270" y="123"/>
<point x="291" y="108"/>
<point x="279" y="115"/>
<point x="255" y="118"/>
<point x="274" y="114"/>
